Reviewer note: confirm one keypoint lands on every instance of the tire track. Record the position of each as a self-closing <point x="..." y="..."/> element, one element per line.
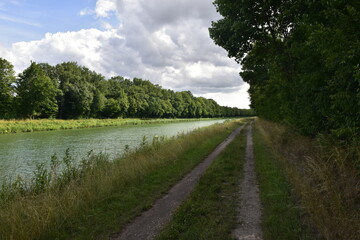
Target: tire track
<point x="249" y="212"/>
<point x="151" y="222"/>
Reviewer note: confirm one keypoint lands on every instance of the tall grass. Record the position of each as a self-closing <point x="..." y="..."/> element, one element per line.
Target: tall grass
<point x="281" y="215"/>
<point x="100" y="196"/>
<point x="325" y="175"/>
<point x="16" y="126"/>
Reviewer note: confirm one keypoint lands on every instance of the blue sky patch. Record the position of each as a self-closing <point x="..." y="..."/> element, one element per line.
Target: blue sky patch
<point x="28" y="20"/>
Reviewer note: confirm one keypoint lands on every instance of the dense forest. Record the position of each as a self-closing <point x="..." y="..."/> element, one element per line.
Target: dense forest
<point x="70" y="91"/>
<point x="301" y="59"/>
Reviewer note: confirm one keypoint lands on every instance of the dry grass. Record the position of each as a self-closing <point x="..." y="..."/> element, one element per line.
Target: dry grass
<point x="41" y="213"/>
<point x="325" y="176"/>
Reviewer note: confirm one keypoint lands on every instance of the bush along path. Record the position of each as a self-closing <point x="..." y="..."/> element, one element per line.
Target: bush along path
<point x="151" y="222"/>
<point x="249" y="213"/>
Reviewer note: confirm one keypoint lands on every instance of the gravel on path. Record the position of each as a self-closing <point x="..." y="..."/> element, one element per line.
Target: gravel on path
<point x="249" y="212"/>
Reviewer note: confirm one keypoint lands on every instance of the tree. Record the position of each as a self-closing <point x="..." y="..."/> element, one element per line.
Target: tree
<point x="7" y="90"/>
<point x="117" y="104"/>
<point x="70" y="91"/>
<point x="301" y="59"/>
<point x="36" y="93"/>
<point x="179" y="105"/>
<point x="78" y="92"/>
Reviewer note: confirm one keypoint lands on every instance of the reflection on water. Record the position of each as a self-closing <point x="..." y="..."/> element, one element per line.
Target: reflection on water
<point x="20" y="152"/>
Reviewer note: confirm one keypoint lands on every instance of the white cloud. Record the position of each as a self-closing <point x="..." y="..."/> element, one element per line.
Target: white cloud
<point x="86" y="11"/>
<point x="87" y="47"/>
<point x="238" y="98"/>
<point x="164" y="41"/>
<point x="105" y="7"/>
<point x="106" y="25"/>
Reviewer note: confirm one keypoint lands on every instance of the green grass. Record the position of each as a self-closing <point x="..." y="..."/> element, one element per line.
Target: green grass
<point x="16" y="126"/>
<point x="281" y="216"/>
<point x="210" y="211"/>
<point x="100" y="197"/>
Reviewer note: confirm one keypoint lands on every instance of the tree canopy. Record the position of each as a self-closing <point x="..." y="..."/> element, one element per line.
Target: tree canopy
<point x="301" y="59"/>
<point x="7" y="90"/>
<point x="70" y="91"/>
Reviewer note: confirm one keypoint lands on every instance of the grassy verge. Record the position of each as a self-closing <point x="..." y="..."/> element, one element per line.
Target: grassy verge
<point x="16" y="126"/>
<point x="324" y="175"/>
<point x="281" y="217"/>
<point x="100" y="196"/>
<point x="210" y="211"/>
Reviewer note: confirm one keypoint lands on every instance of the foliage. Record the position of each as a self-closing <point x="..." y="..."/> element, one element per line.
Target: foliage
<point x="301" y="59"/>
<point x="36" y="93"/>
<point x="7" y="80"/>
<point x="70" y="91"/>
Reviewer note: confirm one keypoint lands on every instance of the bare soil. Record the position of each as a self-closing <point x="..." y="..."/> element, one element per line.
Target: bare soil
<point x="249" y="212"/>
<point x="151" y="222"/>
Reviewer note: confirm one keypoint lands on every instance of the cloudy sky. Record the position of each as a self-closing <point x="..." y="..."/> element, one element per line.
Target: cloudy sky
<point x="164" y="41"/>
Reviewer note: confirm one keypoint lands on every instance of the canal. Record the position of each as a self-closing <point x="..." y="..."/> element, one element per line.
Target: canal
<point x="21" y="152"/>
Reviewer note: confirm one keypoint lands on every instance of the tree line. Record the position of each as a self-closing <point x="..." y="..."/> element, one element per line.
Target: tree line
<point x="70" y="91"/>
<point x="301" y="59"/>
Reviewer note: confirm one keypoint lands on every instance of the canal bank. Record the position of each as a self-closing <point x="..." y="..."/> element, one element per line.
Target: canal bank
<point x="20" y="153"/>
<point x="104" y="198"/>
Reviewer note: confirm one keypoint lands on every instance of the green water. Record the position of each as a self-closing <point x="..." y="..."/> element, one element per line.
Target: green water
<point x="19" y="153"/>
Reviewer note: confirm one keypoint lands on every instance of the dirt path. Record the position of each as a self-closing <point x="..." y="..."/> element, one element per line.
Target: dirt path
<point x="249" y="215"/>
<point x="150" y="223"/>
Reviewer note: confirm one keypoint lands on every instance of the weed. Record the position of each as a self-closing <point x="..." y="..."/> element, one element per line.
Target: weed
<point x="325" y="176"/>
<point x="144" y="141"/>
<point x="41" y="178"/>
<point x="282" y="217"/>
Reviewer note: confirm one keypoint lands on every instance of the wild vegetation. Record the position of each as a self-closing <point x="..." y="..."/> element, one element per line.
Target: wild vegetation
<point x="100" y="196"/>
<point x="282" y="217"/>
<point x="301" y="59"/>
<point x="15" y="126"/>
<point x="70" y="91"/>
<point x="324" y="176"/>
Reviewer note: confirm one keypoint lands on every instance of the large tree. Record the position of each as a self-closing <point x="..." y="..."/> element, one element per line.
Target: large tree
<point x="301" y="59"/>
<point x="78" y="91"/>
<point x="36" y="93"/>
<point x="7" y="80"/>
<point x="117" y="102"/>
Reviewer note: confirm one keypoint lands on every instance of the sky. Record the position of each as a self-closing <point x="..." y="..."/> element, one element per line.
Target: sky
<point x="164" y="41"/>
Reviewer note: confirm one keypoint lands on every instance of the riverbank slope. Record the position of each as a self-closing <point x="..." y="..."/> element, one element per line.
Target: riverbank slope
<point x="29" y="125"/>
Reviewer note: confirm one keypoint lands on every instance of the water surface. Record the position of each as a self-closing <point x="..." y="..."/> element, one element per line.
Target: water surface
<point x="20" y="152"/>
